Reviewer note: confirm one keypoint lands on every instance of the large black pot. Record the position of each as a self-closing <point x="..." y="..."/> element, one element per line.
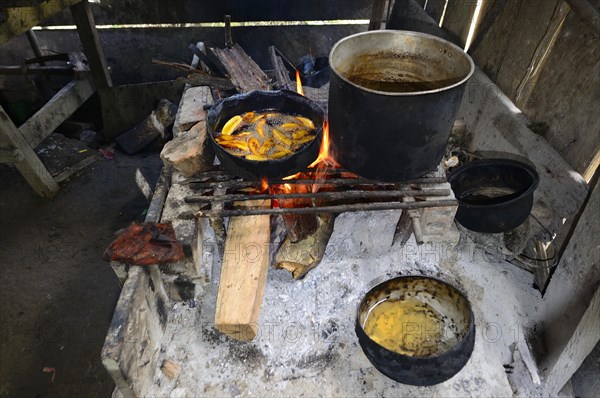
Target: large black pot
<point x="397" y="130"/>
<point x="283" y="101"/>
<point x="455" y="347"/>
<point x="494" y="195"/>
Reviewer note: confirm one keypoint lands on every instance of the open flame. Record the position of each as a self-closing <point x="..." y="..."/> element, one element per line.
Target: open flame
<point x="299" y="89"/>
<point x="264" y="185"/>
<point x="325" y="155"/>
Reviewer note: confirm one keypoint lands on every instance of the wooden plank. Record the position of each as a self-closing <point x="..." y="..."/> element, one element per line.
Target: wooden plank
<point x="435" y="8"/>
<point x="582" y="342"/>
<point x="184" y="11"/>
<point x="56" y="111"/>
<point x="75" y="168"/>
<point x="377" y="11"/>
<point x="540" y="55"/>
<point x="457" y="20"/>
<point x="243" y="275"/>
<point x="20" y="19"/>
<point x="245" y="74"/>
<point x="86" y="27"/>
<point x="573" y="125"/>
<point x="30" y="167"/>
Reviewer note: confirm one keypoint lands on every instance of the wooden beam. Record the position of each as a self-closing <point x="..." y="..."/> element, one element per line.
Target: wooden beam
<point x="82" y="15"/>
<point x="582" y="342"/>
<point x="39" y="70"/>
<point x="56" y="111"/>
<point x="377" y="12"/>
<point x="75" y="168"/>
<point x="30" y="167"/>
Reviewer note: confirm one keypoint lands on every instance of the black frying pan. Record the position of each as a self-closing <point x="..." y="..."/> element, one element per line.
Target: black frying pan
<point x="284" y="101"/>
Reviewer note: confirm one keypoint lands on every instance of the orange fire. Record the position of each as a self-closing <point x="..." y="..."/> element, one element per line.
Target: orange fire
<point x="264" y="185"/>
<point x="299" y="89"/>
<point x="325" y="155"/>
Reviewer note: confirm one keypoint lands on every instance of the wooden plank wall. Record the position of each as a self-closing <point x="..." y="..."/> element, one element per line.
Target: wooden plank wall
<point x="193" y="11"/>
<point x="546" y="59"/>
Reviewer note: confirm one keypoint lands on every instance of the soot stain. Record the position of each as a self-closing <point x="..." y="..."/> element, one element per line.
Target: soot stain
<point x="319" y="361"/>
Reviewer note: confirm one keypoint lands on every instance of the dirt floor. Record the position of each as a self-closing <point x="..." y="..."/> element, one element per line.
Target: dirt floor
<point x="57" y="295"/>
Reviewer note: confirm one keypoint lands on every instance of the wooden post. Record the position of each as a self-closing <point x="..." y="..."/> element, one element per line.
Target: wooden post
<point x="228" y="35"/>
<point x="82" y="15"/>
<point x="377" y="12"/>
<point x="30" y="166"/>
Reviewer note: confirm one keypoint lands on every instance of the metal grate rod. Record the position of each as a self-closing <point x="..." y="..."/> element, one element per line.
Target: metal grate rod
<point x="320" y="195"/>
<point x="330" y="209"/>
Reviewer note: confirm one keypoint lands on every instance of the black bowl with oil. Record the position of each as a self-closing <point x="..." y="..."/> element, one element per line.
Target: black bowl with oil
<point x="416" y="330"/>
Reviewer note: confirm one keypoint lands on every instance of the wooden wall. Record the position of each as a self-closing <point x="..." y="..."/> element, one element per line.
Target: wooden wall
<point x="546" y="59"/>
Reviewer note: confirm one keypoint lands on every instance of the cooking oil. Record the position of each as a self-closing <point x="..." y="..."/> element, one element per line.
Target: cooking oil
<point x="409" y="327"/>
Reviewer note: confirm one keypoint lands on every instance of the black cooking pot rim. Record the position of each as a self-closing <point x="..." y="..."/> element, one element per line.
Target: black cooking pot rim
<point x="215" y="110"/>
<point x="497" y="162"/>
<point x="445" y="354"/>
<point x="409" y="33"/>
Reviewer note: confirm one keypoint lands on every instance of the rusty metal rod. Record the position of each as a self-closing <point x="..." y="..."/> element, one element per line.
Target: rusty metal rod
<point x="331" y="181"/>
<point x="331" y="209"/>
<point x="318" y="195"/>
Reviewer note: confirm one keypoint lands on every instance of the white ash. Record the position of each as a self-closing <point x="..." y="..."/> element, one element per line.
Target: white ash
<point x="307" y="344"/>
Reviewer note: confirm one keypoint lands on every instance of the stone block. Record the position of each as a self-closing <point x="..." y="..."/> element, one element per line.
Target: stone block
<point x="189" y="152"/>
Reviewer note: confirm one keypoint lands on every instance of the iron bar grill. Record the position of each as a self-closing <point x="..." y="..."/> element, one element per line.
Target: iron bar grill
<point x="217" y="190"/>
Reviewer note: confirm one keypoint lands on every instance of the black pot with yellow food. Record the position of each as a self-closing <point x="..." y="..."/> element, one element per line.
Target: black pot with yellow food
<point x="269" y="134"/>
<point x="416" y="330"/>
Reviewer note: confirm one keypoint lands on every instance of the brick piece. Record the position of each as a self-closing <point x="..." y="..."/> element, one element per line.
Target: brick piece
<point x="189" y="152"/>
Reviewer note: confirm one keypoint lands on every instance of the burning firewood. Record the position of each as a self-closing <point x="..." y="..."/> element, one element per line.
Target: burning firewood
<point x="302" y="256"/>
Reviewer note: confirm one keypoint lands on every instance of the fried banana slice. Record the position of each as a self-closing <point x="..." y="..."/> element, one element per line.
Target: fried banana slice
<point x="238" y="136"/>
<point x="281" y="138"/>
<point x="266" y="146"/>
<point x="256" y="157"/>
<point x="258" y="117"/>
<point x="254" y="146"/>
<point x="280" y="152"/>
<point x="296" y="135"/>
<point x="260" y="127"/>
<point x="231" y="125"/>
<point x="304" y="140"/>
<point x="290" y="127"/>
<point x="248" y="117"/>
<point x="306" y="122"/>
<point x="235" y="144"/>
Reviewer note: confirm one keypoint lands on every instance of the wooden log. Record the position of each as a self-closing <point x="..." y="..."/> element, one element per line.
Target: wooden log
<point x="245" y="74"/>
<point x="243" y="275"/>
<point x="302" y="256"/>
<point x="298" y="226"/>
